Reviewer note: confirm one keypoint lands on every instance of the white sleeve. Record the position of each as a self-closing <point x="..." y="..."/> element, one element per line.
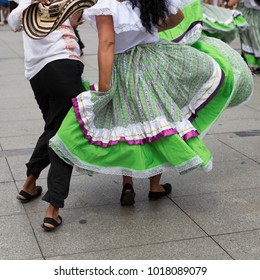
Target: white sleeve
<point x="124" y="17"/>
<point x="102" y="7"/>
<point x="174" y="6"/>
<point x="15" y="17"/>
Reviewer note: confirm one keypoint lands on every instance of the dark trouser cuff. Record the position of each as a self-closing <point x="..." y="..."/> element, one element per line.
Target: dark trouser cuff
<point x="54" y="202"/>
<point x="35" y="173"/>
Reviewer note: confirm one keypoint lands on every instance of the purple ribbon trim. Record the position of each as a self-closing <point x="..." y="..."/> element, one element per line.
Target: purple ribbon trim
<point x="190" y="134"/>
<point x="92" y="87"/>
<point x="178" y="39"/>
<point x="194" y="116"/>
<point x="155" y="138"/>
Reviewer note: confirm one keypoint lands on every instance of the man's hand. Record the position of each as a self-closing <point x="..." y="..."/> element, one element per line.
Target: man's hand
<point x="44" y="2"/>
<point x="76" y="19"/>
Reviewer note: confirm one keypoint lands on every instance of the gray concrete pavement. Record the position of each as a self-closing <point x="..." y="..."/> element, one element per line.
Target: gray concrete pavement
<point x="208" y="216"/>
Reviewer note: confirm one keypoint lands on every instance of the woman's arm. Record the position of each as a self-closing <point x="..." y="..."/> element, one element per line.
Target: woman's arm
<point x="106" y="43"/>
<point x="172" y="21"/>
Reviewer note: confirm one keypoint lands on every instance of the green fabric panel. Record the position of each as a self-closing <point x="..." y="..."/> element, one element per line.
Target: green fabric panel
<point x="86" y="85"/>
<point x="240" y="21"/>
<point x="251" y="59"/>
<point x="208" y="115"/>
<point x="201" y="150"/>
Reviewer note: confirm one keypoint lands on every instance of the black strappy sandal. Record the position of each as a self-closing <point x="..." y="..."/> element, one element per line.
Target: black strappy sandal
<point x="127" y="195"/>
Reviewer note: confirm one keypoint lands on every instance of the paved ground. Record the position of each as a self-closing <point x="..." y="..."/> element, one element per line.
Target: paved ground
<point x="207" y="216"/>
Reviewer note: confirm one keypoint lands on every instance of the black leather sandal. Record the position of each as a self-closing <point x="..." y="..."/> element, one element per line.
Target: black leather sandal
<point x="51" y="221"/>
<point x="127" y="195"/>
<point x="158" y="195"/>
<point x="28" y="197"/>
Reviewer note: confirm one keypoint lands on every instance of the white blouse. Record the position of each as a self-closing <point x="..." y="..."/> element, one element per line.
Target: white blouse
<point x="60" y="44"/>
<point x="128" y="27"/>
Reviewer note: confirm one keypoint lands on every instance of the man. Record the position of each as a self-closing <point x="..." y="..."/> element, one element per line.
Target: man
<point x="53" y="67"/>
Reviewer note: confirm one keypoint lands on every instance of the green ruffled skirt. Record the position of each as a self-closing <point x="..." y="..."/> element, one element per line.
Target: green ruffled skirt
<point x="221" y="23"/>
<point x="250" y="38"/>
<point x="163" y="98"/>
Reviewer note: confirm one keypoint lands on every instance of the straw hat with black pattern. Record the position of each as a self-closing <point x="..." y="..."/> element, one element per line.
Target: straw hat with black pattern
<point x="39" y="20"/>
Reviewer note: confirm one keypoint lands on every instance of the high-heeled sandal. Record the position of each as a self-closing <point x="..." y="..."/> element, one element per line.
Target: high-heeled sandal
<point x="158" y="195"/>
<point x="127" y="195"/>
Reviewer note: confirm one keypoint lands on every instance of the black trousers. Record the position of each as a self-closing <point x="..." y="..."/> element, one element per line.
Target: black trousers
<point x="54" y="87"/>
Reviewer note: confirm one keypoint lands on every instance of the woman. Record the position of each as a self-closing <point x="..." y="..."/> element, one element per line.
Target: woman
<point x="139" y="122"/>
<point x="250" y="38"/>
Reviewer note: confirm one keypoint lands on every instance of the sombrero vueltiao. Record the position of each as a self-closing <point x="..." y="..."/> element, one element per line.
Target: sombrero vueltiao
<point x="39" y="20"/>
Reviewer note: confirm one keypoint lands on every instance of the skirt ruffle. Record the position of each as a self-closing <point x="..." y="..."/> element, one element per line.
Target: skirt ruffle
<point x="140" y="161"/>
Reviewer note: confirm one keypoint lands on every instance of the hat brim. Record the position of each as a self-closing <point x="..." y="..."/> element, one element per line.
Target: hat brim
<point x="38" y="27"/>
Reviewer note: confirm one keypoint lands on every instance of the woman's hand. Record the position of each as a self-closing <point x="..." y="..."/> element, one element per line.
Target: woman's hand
<point x="103" y="88"/>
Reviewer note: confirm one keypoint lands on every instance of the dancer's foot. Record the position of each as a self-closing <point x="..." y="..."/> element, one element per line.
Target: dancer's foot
<point x="29" y="191"/>
<point x="159" y="191"/>
<point x="52" y="218"/>
<point x="127" y="195"/>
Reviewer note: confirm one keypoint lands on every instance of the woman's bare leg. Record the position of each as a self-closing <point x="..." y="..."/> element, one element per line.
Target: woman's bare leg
<point x="155" y="185"/>
<point x="127" y="180"/>
<point x="157" y="190"/>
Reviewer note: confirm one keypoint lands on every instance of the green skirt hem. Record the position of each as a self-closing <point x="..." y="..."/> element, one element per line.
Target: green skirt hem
<point x="149" y="159"/>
